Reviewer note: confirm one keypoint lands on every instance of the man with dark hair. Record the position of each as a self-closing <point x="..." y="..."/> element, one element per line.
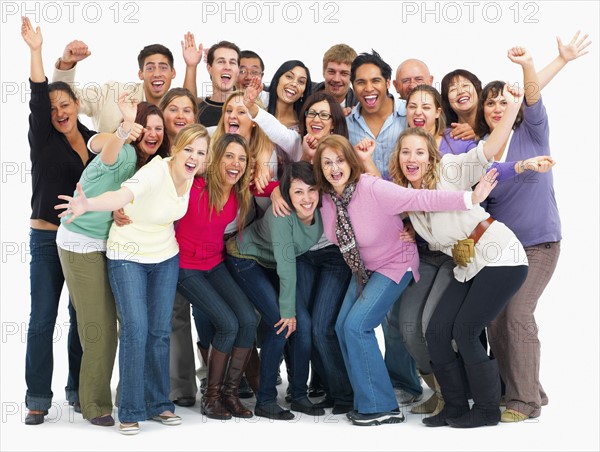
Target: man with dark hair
<point x="378" y="115"/>
<point x="99" y="102"/>
<point x="222" y="64"/>
<point x="252" y="65"/>
<point x="337" y="61"/>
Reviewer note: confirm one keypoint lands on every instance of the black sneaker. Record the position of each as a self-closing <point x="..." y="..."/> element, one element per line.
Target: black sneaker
<point x="305" y="406"/>
<point x="387" y="417"/>
<point x="273" y="411"/>
<point x="351" y="414"/>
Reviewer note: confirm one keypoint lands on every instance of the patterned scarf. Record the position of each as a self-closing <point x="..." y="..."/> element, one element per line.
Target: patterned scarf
<point x="345" y="235"/>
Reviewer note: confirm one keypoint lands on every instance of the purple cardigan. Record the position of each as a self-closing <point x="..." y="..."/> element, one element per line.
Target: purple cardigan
<point x="374" y="212"/>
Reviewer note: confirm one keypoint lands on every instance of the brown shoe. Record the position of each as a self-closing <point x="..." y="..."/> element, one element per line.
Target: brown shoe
<point x="229" y="394"/>
<point x="211" y="405"/>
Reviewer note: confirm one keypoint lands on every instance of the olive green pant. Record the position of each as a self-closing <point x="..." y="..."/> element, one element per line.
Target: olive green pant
<point x="92" y="298"/>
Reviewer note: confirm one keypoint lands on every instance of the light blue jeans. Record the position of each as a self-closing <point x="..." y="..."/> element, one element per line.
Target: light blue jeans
<point x="359" y="316"/>
<point x="144" y="294"/>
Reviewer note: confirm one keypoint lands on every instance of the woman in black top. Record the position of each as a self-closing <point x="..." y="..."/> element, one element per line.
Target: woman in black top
<point x="58" y="155"/>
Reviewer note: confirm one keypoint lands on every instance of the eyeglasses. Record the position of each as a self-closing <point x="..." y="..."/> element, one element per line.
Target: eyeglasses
<point x="245" y="71"/>
<point x="328" y="164"/>
<point x="321" y="114"/>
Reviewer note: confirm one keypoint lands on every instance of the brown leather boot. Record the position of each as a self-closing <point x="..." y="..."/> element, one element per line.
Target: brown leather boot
<point x="211" y="405"/>
<point x="229" y="394"/>
<point x="253" y="370"/>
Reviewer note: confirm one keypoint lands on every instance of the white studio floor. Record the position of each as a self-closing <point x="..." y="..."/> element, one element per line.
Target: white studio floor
<point x="567" y="423"/>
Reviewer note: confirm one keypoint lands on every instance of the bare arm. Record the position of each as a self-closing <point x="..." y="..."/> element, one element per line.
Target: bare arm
<point x="112" y="147"/>
<point x="514" y="98"/>
<point x="531" y="83"/>
<point x="106" y="202"/>
<point x="192" y="56"/>
<point x="33" y="38"/>
<point x="566" y="52"/>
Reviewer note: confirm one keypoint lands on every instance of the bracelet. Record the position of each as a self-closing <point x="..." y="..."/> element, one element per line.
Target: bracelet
<point x="122" y="133"/>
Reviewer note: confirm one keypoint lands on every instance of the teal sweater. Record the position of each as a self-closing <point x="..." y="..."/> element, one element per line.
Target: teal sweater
<point x="275" y="242"/>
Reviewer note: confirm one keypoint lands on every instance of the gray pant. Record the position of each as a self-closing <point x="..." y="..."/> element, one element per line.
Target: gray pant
<point x="418" y="302"/>
<point x="513" y="334"/>
<point x="182" y="368"/>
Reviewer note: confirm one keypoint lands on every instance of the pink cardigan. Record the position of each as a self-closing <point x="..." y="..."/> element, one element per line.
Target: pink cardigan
<point x="374" y="212"/>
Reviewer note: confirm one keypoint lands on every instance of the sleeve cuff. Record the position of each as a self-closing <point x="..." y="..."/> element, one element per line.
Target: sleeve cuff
<point x="467" y="199"/>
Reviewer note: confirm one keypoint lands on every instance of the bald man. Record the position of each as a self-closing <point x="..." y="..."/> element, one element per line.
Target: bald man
<point x="410" y="73"/>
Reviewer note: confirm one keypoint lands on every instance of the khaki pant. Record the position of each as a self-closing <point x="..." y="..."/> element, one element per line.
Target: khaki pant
<point x="513" y="334"/>
<point x="92" y="298"/>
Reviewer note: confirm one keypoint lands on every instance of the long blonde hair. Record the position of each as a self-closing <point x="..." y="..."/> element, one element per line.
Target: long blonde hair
<point x="258" y="143"/>
<point x="187" y="135"/>
<point x="431" y="177"/>
<point x="214" y="178"/>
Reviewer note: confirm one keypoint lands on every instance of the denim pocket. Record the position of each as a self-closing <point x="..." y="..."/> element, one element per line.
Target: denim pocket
<point x="242" y="265"/>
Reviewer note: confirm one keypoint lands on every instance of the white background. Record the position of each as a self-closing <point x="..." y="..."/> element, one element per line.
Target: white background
<point x="470" y="35"/>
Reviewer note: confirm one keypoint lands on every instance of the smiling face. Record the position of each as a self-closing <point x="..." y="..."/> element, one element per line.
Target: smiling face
<point x="157" y="75"/>
<point x="370" y="88"/>
<point x="317" y="126"/>
<point x="291" y="85"/>
<point x="411" y="73"/>
<point x="462" y="96"/>
<point x="249" y="68"/>
<point x="493" y="110"/>
<point x="305" y="199"/>
<point x="421" y="111"/>
<point x="337" y="80"/>
<point x="335" y="169"/>
<point x="63" y="111"/>
<point x="236" y="119"/>
<point x="191" y="160"/>
<point x="233" y="164"/>
<point x="414" y="159"/>
<point x="178" y="114"/>
<point x="224" y="70"/>
<point x="153" y="137"/>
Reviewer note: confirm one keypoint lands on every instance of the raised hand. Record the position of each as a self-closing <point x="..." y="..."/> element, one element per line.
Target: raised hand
<point x="539" y="164"/>
<point x="519" y="55"/>
<point x="192" y="55"/>
<point x="75" y="206"/>
<point x="252" y="92"/>
<point x="128" y="107"/>
<point x="365" y="149"/>
<point x="74" y="52"/>
<point x="574" y="49"/>
<point x="485" y="186"/>
<point x="137" y="130"/>
<point x="513" y="94"/>
<point x="309" y="147"/>
<point x="33" y="38"/>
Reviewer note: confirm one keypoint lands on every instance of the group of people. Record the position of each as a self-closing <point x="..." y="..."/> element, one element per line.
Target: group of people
<point x="295" y="220"/>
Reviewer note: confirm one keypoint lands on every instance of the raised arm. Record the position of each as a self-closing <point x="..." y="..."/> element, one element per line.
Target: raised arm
<point x="33" y="38"/>
<point x="566" y="52"/>
<point x="74" y="52"/>
<point x="513" y="97"/>
<point x="112" y="147"/>
<point x="192" y="56"/>
<point x="531" y="83"/>
<point x="106" y="202"/>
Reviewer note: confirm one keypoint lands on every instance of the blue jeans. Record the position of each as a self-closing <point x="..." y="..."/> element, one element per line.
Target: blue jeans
<point x="323" y="278"/>
<point x="144" y="294"/>
<point x="355" y="327"/>
<point x="261" y="286"/>
<point x="220" y="299"/>
<point x="46" y="283"/>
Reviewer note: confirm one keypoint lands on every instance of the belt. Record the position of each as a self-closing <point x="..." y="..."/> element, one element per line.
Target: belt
<point x="480" y="229"/>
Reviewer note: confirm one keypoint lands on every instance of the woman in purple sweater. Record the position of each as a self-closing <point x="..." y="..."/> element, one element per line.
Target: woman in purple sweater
<point x="382" y="268"/>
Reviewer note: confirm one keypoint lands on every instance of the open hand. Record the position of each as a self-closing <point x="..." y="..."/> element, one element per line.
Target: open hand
<point x="33" y="38"/>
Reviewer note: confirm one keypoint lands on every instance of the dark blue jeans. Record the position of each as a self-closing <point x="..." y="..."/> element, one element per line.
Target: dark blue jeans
<point x="144" y="294"/>
<point x="261" y="286"/>
<point x="46" y="282"/>
<point x="323" y="278"/>
<point x="220" y="299"/>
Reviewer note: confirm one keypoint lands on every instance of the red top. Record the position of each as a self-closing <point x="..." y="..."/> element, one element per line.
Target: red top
<point x="200" y="235"/>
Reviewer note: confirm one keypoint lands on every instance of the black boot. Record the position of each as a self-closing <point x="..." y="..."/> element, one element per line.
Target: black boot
<point x="211" y="405"/>
<point x="450" y="379"/>
<point x="485" y="388"/>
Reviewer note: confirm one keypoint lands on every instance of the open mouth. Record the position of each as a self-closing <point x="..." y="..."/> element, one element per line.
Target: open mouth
<point x="316" y="130"/>
<point x="419" y="122"/>
<point x="336" y="176"/>
<point x="233" y="127"/>
<point x="290" y="93"/>
<point x="226" y="78"/>
<point x="307" y="206"/>
<point x="371" y="100"/>
<point x="62" y="121"/>
<point x="158" y="85"/>
<point x="190" y="168"/>
<point x="411" y="170"/>
<point x="180" y="124"/>
<point x="232" y="174"/>
<point x="152" y="144"/>
<point x="463" y="100"/>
